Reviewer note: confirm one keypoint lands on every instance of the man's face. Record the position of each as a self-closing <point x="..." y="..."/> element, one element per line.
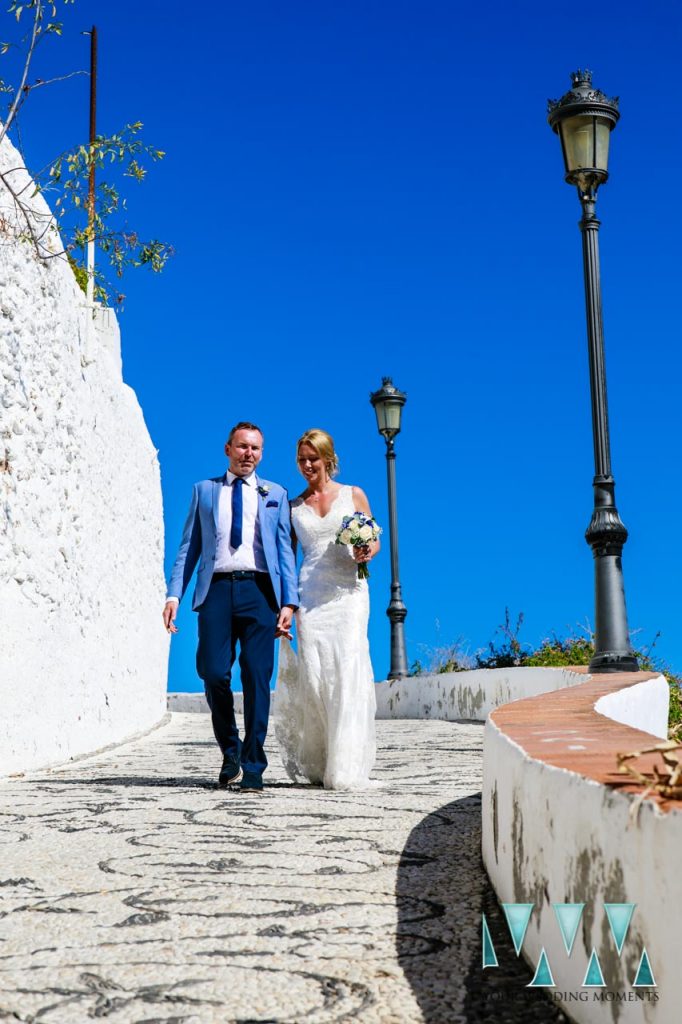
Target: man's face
<point x="244" y="451"/>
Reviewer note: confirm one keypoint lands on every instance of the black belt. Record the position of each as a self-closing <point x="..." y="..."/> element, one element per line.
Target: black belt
<point x="238" y="574"/>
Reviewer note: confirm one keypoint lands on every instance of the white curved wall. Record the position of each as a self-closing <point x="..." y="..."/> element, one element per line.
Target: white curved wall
<point x="471" y="695"/>
<point x="554" y="835"/>
<point x="643" y="706"/>
<point x="83" y="656"/>
<point x="448" y="696"/>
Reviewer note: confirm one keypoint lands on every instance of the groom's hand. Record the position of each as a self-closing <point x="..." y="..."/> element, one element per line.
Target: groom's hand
<point x="169" y="612"/>
<point x="283" y="627"/>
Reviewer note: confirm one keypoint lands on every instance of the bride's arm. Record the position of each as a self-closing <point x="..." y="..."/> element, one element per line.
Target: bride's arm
<point x="294" y="538"/>
<point x="361" y="504"/>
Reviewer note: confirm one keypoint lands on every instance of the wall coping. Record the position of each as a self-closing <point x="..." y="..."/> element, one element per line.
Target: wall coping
<point x="570" y="729"/>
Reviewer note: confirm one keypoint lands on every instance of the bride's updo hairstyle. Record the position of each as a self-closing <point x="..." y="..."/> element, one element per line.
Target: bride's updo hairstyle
<point x="323" y="443"/>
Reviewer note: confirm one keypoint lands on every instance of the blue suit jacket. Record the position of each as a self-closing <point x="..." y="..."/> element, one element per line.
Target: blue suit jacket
<point x="198" y="542"/>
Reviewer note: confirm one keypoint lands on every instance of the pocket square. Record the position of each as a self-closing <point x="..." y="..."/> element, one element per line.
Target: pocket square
<point x="271" y="504"/>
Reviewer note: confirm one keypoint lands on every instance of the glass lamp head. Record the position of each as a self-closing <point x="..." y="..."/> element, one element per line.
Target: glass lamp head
<point x="583" y="119"/>
<point x="388" y="403"/>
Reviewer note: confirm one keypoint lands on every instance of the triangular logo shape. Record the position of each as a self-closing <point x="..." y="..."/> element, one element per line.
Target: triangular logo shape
<point x="568" y="916"/>
<point x="543" y="975"/>
<point x="489" y="955"/>
<point x="594" y="977"/>
<point x="645" y="976"/>
<point x="619" y="915"/>
<point x="518" y="916"/>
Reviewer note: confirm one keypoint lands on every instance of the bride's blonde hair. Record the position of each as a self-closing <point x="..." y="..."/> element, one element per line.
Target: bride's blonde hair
<point x="323" y="443"/>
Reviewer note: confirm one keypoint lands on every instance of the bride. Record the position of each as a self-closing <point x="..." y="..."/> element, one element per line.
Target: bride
<point x="325" y="700"/>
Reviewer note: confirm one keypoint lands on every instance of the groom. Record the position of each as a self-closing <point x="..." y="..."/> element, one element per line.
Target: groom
<point x="239" y="531"/>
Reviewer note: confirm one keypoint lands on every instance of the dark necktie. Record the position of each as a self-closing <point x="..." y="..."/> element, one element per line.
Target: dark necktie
<point x="237" y="508"/>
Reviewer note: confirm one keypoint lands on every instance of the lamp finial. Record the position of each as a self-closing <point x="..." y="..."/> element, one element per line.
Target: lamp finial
<point x="581" y="77"/>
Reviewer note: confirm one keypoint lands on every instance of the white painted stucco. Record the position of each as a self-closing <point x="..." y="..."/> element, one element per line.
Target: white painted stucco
<point x="643" y="706"/>
<point x="83" y="654"/>
<point x="448" y="696"/>
<point x="468" y="695"/>
<point x="552" y="836"/>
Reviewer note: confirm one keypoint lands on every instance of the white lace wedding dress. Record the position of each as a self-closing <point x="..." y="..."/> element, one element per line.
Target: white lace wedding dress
<point x="324" y="697"/>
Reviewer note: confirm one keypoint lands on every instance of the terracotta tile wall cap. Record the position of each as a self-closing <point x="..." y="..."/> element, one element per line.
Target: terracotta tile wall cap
<point x="562" y="729"/>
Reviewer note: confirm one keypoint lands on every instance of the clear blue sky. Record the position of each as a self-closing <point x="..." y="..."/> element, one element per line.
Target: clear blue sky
<point x="366" y="188"/>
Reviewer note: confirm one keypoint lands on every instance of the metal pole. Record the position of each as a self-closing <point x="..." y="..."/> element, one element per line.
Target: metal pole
<point x="396" y="610"/>
<point x="606" y="533"/>
<point x="90" y="256"/>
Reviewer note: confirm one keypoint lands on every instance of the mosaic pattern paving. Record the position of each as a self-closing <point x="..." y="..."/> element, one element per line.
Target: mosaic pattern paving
<point x="133" y="890"/>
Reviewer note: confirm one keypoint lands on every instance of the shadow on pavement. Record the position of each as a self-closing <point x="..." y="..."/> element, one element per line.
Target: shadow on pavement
<point x="128" y="781"/>
<point x="155" y="782"/>
<point x="442" y="888"/>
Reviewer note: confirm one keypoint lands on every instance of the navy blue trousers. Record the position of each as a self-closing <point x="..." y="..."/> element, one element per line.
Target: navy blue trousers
<point x="243" y="612"/>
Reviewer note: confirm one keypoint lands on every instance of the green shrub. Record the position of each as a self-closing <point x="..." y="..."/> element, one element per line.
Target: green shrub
<point x="675" y="712"/>
<point x="558" y="651"/>
<point x="575" y="649"/>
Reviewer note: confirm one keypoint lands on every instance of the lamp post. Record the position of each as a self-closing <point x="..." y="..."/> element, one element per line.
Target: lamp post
<point x="388" y="403"/>
<point x="583" y="119"/>
<point x="90" y="250"/>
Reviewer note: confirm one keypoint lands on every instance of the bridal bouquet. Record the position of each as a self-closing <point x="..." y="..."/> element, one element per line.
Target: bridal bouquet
<point x="358" y="530"/>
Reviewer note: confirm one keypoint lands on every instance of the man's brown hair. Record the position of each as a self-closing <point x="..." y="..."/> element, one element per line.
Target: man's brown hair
<point x="243" y="425"/>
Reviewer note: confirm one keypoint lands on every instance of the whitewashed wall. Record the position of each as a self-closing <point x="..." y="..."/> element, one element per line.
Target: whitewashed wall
<point x="469" y="695"/>
<point x="551" y="835"/>
<point x="83" y="655"/>
<point x="446" y="696"/>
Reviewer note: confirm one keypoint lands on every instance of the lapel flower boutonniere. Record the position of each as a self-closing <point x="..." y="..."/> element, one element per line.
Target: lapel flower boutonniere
<point x="263" y="490"/>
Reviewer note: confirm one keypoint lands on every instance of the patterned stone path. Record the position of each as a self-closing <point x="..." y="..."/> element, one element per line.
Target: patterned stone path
<point x="133" y="890"/>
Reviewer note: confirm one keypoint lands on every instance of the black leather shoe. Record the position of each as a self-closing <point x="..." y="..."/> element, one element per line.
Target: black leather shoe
<point x="230" y="773"/>
<point x="251" y="783"/>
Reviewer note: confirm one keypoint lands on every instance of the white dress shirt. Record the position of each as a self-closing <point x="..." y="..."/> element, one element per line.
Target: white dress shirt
<point x="249" y="554"/>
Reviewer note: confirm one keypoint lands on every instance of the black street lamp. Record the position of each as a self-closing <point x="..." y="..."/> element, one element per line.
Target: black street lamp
<point x="583" y="119"/>
<point x="388" y="403"/>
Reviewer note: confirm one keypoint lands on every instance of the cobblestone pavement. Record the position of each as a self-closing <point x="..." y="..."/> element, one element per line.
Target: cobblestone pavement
<point x="133" y="890"/>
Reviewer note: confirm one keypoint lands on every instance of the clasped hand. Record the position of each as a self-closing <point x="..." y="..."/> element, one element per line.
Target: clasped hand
<point x="283" y="625"/>
<point x="363" y="552"/>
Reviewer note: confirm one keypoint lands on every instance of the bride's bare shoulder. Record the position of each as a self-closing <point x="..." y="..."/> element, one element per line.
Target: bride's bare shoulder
<point x="360" y="500"/>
